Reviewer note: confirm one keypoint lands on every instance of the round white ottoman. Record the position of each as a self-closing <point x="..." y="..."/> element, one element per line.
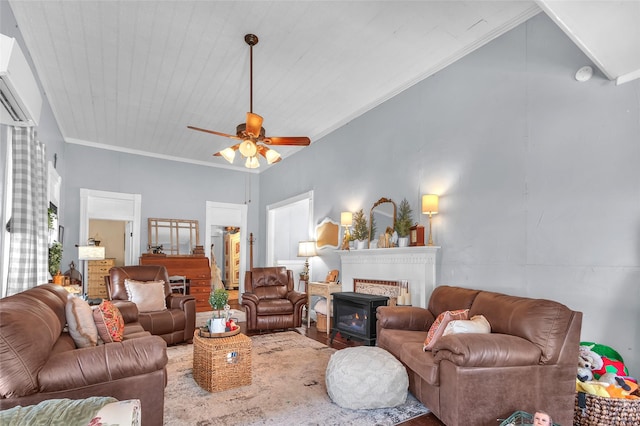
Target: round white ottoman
<point x="366" y="377"/>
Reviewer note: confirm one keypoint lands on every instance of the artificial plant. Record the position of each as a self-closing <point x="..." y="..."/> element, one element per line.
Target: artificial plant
<point x="404" y="221"/>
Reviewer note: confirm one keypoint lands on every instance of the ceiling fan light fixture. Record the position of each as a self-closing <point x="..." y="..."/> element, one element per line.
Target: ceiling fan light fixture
<point x="248" y="148"/>
<point x="272" y="156"/>
<point x="252" y="163"/>
<point x="228" y="154"/>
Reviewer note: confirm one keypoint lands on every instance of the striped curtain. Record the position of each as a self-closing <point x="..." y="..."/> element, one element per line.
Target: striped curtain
<point x="28" y="243"/>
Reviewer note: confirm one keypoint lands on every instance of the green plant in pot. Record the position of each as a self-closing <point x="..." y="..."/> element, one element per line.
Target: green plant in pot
<point x="360" y="228"/>
<point x="218" y="301"/>
<point x="55" y="257"/>
<point x="404" y="221"/>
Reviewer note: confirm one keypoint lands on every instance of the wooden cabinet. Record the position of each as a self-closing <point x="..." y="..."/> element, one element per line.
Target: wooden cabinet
<point x="96" y="271"/>
<point x="195" y="268"/>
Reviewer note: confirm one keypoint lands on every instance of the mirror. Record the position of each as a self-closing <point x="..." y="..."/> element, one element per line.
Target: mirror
<point x="173" y="236"/>
<point x="382" y="216"/>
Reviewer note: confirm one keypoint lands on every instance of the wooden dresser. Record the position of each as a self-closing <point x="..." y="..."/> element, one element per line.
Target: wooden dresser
<point x="195" y="268"/>
<point x="96" y="271"/>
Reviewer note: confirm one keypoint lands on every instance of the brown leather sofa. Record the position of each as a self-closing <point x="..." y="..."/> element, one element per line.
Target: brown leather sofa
<point x="39" y="359"/>
<point x="527" y="362"/>
<point x="176" y="324"/>
<point x="270" y="300"/>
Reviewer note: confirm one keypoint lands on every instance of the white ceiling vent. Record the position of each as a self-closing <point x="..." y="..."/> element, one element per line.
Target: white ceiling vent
<point x="19" y="94"/>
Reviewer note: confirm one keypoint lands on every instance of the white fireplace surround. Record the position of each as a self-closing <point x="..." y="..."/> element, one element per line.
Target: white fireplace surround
<point x="415" y="264"/>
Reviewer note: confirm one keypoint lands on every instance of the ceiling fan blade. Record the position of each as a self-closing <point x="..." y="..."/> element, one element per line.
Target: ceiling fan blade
<point x="213" y="132"/>
<point x="254" y="124"/>
<point x="287" y="140"/>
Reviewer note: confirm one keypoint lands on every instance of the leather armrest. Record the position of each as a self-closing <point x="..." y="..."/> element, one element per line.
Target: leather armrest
<point x="295" y="297"/>
<point x="404" y="318"/>
<point x="103" y="363"/>
<point x="128" y="309"/>
<point x="486" y="350"/>
<point x="249" y="299"/>
<point x="177" y="301"/>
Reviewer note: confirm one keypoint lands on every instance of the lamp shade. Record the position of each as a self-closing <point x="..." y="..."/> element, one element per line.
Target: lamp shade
<point x="346" y="218"/>
<point x="430" y="204"/>
<point x="228" y="154"/>
<point x="306" y="249"/>
<point x="90" y="253"/>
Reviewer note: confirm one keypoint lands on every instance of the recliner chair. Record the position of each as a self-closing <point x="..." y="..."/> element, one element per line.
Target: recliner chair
<point x="270" y="300"/>
<point x="176" y="324"/>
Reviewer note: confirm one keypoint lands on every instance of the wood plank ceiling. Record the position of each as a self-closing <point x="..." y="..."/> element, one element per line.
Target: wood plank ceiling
<point x="131" y="75"/>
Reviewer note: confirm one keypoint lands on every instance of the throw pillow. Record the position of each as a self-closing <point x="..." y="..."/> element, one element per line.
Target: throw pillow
<point x="147" y="295"/>
<point x="477" y="324"/>
<point x="438" y="326"/>
<point x="82" y="327"/>
<point x="109" y="322"/>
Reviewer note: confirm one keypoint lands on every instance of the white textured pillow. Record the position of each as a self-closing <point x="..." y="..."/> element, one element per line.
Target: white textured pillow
<point x="82" y="328"/>
<point x="477" y="324"/>
<point x="147" y="295"/>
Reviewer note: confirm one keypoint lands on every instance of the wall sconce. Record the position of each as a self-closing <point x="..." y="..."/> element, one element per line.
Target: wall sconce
<point x="346" y="220"/>
<point x="306" y="249"/>
<point x="430" y="207"/>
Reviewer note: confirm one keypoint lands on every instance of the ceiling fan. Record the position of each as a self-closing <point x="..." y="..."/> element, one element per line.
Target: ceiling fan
<point x="252" y="134"/>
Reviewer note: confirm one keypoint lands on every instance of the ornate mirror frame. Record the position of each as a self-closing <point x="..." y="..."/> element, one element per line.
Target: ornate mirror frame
<point x="378" y="204"/>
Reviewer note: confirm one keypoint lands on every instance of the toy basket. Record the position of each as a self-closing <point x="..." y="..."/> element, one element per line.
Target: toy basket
<point x="598" y="410"/>
<point x="519" y="418"/>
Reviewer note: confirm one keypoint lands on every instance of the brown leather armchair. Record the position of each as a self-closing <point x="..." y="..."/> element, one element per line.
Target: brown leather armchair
<point x="176" y="324"/>
<point x="270" y="300"/>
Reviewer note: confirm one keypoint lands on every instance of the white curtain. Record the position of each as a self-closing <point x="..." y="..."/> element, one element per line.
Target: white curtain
<point x="28" y="243"/>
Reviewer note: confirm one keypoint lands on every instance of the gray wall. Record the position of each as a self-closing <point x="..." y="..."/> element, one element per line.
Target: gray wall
<point x="538" y="176"/>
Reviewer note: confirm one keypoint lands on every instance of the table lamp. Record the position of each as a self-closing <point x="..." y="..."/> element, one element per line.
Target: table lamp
<point x="346" y="220"/>
<point x="306" y="249"/>
<point x="430" y="207"/>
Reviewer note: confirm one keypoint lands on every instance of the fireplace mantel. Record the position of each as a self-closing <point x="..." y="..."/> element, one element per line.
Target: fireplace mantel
<point x="415" y="264"/>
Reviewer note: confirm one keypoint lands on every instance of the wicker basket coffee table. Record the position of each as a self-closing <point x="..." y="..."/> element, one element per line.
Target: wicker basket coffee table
<point x="221" y="363"/>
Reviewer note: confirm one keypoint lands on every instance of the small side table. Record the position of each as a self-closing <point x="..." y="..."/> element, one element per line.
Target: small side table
<point x="221" y="363"/>
<point x="325" y="290"/>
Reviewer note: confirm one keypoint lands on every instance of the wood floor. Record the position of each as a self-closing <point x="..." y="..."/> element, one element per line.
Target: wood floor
<point x="341" y="343"/>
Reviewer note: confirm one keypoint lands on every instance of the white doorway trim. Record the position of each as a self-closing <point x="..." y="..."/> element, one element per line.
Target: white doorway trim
<point x="112" y="206"/>
<point x="228" y="214"/>
<point x="271" y="208"/>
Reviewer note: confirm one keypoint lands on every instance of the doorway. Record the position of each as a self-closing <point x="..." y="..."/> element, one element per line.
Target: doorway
<point x="226" y="235"/>
<point x="291" y="221"/>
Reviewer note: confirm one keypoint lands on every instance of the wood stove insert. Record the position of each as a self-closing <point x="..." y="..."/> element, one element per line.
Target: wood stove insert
<point x="354" y="315"/>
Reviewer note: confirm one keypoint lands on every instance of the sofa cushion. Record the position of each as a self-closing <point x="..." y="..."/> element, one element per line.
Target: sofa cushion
<point x="438" y="326"/>
<point x="147" y="295"/>
<point x="57" y="412"/>
<point x="82" y="327"/>
<point x="477" y="324"/>
<point x="109" y="322"/>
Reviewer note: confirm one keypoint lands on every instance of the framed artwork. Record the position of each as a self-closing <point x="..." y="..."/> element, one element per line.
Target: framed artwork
<point x="328" y="234"/>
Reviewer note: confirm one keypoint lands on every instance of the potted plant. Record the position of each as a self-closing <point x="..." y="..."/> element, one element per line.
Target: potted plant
<point x="218" y="301"/>
<point x="55" y="257"/>
<point x="404" y="221"/>
<point x="360" y="230"/>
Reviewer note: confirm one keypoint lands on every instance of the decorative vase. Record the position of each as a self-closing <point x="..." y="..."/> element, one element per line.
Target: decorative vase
<point x="216" y="325"/>
<point x="403" y="241"/>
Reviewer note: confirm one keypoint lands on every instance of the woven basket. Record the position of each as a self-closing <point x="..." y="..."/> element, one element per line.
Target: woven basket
<point x="321" y="322"/>
<point x="221" y="363"/>
<point x="599" y="410"/>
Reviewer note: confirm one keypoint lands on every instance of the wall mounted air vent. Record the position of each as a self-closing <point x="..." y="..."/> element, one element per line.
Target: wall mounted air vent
<point x="19" y="93"/>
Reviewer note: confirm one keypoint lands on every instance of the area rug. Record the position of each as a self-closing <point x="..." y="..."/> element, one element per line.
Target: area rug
<point x="288" y="387"/>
